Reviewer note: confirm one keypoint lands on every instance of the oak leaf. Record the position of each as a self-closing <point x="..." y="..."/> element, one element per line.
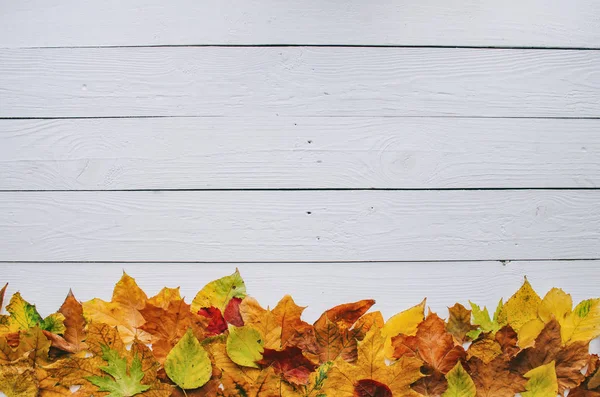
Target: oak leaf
<point x="123" y="311"/>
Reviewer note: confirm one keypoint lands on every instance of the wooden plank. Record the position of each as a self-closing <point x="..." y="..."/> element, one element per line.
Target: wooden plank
<point x="298" y="81"/>
<point x="38" y="23"/>
<point x="294" y="152"/>
<point x="299" y="225"/>
<point x="395" y="286"/>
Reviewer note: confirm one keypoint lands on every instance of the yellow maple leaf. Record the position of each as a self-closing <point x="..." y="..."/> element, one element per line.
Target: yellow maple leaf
<point x="122" y="311"/>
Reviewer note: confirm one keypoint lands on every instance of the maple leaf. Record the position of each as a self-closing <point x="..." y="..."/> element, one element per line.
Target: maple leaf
<point x="123" y="311"/>
<point x="481" y="319"/>
<point x="337" y="331"/>
<point x="432" y="344"/>
<point x="405" y="322"/>
<point x="188" y="364"/>
<point x="290" y="363"/>
<point x="370" y="371"/>
<point x="122" y="382"/>
<point x="74" y="334"/>
<point x="494" y="379"/>
<point x="459" y="322"/>
<point x="168" y="322"/>
<point x="542" y="382"/>
<point x="23" y="316"/>
<point x="567" y="360"/>
<point x="460" y="383"/>
<point x="219" y="292"/>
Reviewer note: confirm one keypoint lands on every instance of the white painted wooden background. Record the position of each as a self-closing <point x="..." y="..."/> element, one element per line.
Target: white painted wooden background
<point x="334" y="150"/>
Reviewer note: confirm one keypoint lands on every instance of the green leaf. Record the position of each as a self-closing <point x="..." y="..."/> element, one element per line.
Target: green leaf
<point x="188" y="364"/>
<point x="542" y="382"/>
<point x="120" y="383"/>
<point x="244" y="346"/>
<point x="218" y="293"/>
<point x="460" y="383"/>
<point x="482" y="319"/>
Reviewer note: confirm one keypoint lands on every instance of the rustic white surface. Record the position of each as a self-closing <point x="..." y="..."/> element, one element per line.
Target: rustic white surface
<point x="298" y="81"/>
<point x="296" y="152"/>
<point x="395" y="286"/>
<point x="557" y="23"/>
<point x="299" y="225"/>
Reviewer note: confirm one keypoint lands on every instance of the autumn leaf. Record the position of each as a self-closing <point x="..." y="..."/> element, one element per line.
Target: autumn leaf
<point x="232" y="313"/>
<point x="568" y="361"/>
<point x="188" y="364"/>
<point x="2" y="292"/>
<point x="542" y="382"/>
<point x="432" y="344"/>
<point x="74" y="334"/>
<point x="244" y="346"/>
<point x="123" y="311"/>
<point x="123" y="381"/>
<point x="219" y="292"/>
<point x="168" y="322"/>
<point x="483" y="321"/>
<point x="590" y="387"/>
<point x="23" y="316"/>
<point x="370" y="371"/>
<point x="217" y="324"/>
<point x="494" y="379"/>
<point x="460" y="383"/>
<point x="290" y="363"/>
<point x="459" y="322"/>
<point x="18" y="381"/>
<point x="405" y="323"/>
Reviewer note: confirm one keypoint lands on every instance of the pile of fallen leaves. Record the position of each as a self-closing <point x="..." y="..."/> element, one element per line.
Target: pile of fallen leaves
<point x="225" y="344"/>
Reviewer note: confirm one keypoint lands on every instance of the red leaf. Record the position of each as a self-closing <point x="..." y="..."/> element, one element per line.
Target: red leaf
<point x="217" y="324"/>
<point x="371" y="388"/>
<point x="232" y="312"/>
<point x="289" y="363"/>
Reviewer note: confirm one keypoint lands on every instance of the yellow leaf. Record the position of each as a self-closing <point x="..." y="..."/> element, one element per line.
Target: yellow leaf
<point x="460" y="383"/>
<point x="219" y="292"/>
<point x="521" y="308"/>
<point x="188" y="364"/>
<point x="529" y="331"/>
<point x="542" y="382"/>
<point x="244" y="346"/>
<point x="18" y="381"/>
<point x="165" y="297"/>
<point x="268" y="323"/>
<point x="122" y="312"/>
<point x="556" y="304"/>
<point x="583" y="323"/>
<point x="405" y="322"/>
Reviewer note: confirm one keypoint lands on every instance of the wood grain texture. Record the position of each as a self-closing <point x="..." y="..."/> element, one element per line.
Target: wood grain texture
<point x="298" y="81"/>
<point x="299" y="225"/>
<point x="395" y="286"/>
<point x="36" y="23"/>
<point x="294" y="152"/>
